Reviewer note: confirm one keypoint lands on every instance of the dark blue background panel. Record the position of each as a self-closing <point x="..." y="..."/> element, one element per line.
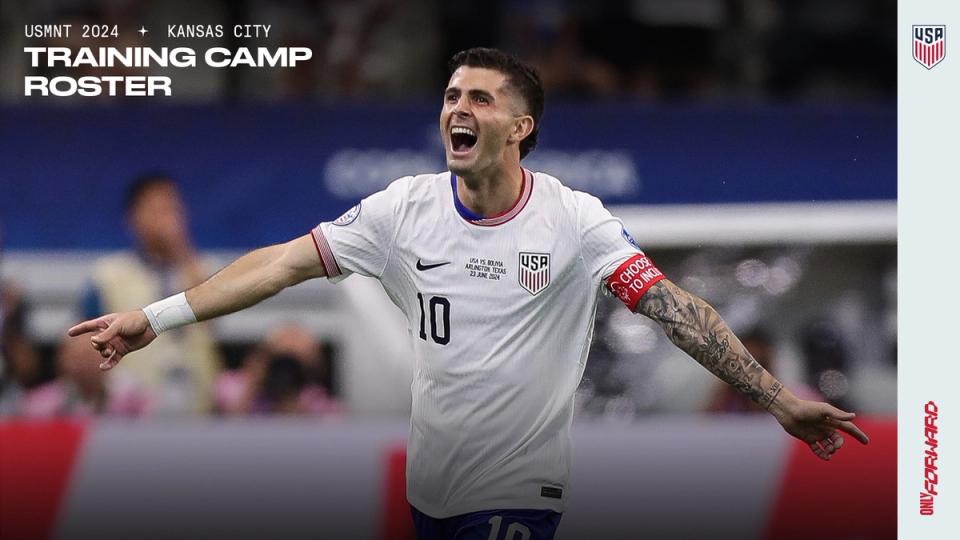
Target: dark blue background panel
<point x="255" y="175"/>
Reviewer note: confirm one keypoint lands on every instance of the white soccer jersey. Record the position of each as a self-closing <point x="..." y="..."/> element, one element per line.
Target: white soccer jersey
<point x="500" y="312"/>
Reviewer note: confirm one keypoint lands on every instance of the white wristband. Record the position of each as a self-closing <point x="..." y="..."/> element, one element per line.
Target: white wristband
<point x="169" y="313"/>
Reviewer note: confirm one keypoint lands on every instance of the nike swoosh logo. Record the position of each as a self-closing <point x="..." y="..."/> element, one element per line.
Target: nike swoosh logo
<point x="421" y="266"/>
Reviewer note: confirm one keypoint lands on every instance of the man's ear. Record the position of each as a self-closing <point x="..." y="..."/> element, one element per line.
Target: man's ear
<point x="522" y="127"/>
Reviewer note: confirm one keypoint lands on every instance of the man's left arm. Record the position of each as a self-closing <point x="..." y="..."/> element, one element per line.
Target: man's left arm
<point x="697" y="329"/>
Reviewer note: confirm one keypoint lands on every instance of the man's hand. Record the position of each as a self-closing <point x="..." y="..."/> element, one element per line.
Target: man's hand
<point x="118" y="334"/>
<point x="816" y="423"/>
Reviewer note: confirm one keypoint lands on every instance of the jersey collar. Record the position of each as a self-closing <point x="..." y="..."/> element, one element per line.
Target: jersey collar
<point x="526" y="188"/>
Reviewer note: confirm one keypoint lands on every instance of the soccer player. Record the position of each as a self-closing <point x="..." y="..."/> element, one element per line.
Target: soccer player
<point x="498" y="270"/>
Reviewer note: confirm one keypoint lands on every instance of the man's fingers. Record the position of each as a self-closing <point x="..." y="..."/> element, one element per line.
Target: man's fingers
<point x="109" y="333"/>
<point x="819" y="452"/>
<point x="852" y="429"/>
<point x="832" y="442"/>
<point x="113" y="360"/>
<point x="837" y="440"/>
<point x="827" y="445"/>
<point x="837" y="414"/>
<point x="84" y="327"/>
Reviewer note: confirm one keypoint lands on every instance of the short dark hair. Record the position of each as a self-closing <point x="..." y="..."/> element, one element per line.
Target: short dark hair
<point x="141" y="185"/>
<point x="521" y="76"/>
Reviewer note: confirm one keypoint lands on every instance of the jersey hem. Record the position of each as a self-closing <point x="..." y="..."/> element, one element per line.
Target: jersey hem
<point x="439" y="512"/>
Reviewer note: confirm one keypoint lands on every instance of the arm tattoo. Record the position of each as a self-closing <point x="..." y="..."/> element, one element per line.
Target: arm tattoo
<point x="697" y="329"/>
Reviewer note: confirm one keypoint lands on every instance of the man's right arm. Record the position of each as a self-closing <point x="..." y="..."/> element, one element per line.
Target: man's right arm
<point x="254" y="277"/>
<point x="250" y="279"/>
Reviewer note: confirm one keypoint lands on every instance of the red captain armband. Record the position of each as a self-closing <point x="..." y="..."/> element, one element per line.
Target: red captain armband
<point x="632" y="279"/>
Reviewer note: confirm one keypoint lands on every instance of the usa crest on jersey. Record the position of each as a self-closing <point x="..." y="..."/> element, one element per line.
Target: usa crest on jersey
<point x="534" y="273"/>
<point x="929" y="44"/>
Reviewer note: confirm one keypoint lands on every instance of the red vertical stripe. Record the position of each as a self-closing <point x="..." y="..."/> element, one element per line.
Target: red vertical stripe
<point x="810" y="487"/>
<point x="916" y="49"/>
<point x="397" y="523"/>
<point x="36" y="460"/>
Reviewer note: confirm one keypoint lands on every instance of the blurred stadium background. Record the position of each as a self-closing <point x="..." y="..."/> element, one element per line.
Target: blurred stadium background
<point x="748" y="145"/>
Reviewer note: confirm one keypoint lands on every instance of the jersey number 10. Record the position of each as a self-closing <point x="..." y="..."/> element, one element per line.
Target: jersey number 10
<point x="434" y="303"/>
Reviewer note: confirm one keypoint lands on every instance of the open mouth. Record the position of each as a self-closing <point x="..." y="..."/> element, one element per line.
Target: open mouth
<point x="462" y="139"/>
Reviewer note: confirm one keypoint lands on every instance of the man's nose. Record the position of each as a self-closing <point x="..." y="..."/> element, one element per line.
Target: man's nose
<point x="462" y="108"/>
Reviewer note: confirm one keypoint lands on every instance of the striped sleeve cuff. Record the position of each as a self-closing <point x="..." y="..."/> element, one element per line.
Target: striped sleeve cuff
<point x="326" y="254"/>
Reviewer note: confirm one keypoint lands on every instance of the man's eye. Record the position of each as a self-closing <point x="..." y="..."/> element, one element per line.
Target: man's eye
<point x="481" y="99"/>
<point x="452" y="98"/>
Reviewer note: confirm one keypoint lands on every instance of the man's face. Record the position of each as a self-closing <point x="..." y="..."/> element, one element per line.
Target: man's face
<point x="478" y="117"/>
<point x="158" y="218"/>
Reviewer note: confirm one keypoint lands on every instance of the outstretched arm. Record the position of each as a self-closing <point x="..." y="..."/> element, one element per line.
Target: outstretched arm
<point x="250" y="279"/>
<point x="696" y="328"/>
<point x="256" y="276"/>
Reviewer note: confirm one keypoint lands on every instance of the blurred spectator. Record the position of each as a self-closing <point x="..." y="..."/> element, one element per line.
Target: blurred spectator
<point x="18" y="359"/>
<point x="179" y="369"/>
<point x="830" y="50"/>
<point x="827" y="360"/>
<point x="287" y="373"/>
<point x="660" y="49"/>
<point x="371" y="48"/>
<point x="361" y="48"/>
<point x="81" y="388"/>
<point x="557" y="50"/>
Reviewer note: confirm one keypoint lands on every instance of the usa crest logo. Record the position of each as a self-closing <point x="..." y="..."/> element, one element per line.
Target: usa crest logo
<point x="534" y="274"/>
<point x="929" y="44"/>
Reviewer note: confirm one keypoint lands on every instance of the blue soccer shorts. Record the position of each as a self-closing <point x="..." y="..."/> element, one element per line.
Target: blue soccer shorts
<point x="488" y="525"/>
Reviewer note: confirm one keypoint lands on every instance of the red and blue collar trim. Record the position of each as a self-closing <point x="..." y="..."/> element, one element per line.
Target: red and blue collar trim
<point x="526" y="188"/>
